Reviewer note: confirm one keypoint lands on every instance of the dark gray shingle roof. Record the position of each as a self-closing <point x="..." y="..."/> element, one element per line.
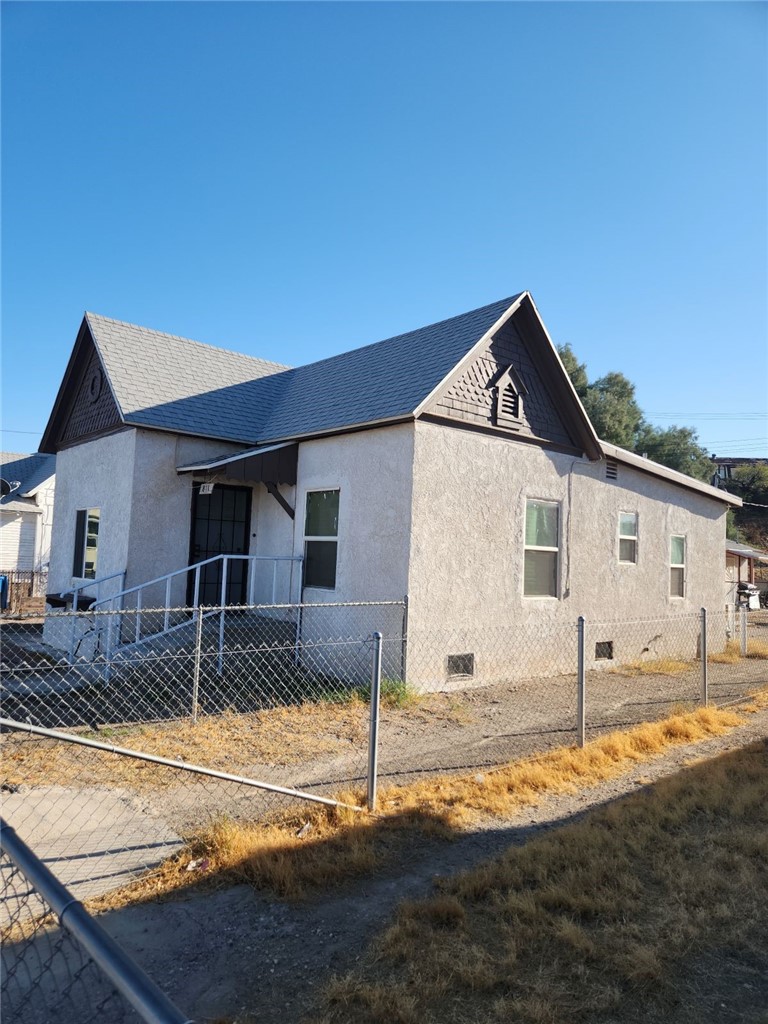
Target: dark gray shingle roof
<point x="29" y="470"/>
<point x="386" y="380"/>
<point x="150" y="369"/>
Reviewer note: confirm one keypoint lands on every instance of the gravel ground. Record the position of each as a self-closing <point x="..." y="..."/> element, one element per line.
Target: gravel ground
<point x="222" y="953"/>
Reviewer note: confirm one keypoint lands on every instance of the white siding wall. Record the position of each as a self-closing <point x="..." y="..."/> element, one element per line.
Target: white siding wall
<point x="44" y="498"/>
<point x="17" y="540"/>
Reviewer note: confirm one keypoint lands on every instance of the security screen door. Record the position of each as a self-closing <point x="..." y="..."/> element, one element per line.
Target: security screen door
<point x="220" y="526"/>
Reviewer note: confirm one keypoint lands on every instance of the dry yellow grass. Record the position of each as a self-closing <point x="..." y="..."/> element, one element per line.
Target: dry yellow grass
<point x="757" y="649"/>
<point x="231" y="742"/>
<point x="656" y="667"/>
<point x="339" y="843"/>
<point x="608" y="919"/>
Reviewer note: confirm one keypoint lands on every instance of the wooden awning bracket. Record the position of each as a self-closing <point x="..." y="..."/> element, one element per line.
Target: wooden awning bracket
<point x="272" y="488"/>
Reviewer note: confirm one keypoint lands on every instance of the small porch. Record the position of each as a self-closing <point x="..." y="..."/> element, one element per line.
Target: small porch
<point x="242" y="528"/>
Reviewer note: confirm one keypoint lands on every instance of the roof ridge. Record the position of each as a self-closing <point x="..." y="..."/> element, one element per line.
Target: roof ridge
<point x="395" y="337"/>
<point x="189" y="341"/>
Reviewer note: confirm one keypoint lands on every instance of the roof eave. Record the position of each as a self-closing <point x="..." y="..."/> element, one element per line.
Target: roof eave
<point x="613" y="451"/>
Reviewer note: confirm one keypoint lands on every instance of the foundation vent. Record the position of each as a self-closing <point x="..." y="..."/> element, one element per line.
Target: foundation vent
<point x="461" y="665"/>
<point x="604" y="650"/>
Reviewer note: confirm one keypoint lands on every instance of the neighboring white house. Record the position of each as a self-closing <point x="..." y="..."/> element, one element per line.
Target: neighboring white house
<point x="26" y="514"/>
<point x="454" y="464"/>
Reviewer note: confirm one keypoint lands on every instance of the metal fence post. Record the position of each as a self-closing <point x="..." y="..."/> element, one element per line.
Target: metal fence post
<point x="743" y="629"/>
<point x="704" y="679"/>
<point x="373" y="733"/>
<point x="582" y="685"/>
<point x="404" y="651"/>
<point x="223" y="598"/>
<point x="196" y="671"/>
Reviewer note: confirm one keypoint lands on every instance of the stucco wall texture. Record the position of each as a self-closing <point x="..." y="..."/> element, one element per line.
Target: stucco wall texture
<point x="468" y="548"/>
<point x="431" y="511"/>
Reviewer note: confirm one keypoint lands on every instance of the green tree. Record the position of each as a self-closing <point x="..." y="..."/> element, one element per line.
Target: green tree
<point x="611" y="405"/>
<point x="617" y="418"/>
<point x="751" y="483"/>
<point x="576" y="371"/>
<point x="675" y="447"/>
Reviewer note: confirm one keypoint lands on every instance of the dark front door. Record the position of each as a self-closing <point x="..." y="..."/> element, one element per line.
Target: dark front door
<point x="220" y="526"/>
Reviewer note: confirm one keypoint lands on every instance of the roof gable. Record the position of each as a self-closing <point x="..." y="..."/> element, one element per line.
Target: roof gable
<point x="378" y="383"/>
<point x="518" y="352"/>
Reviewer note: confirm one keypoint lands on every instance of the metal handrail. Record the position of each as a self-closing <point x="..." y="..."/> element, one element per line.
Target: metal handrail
<point x="167" y="578"/>
<point x="150" y="1002"/>
<point x="194" y="567"/>
<point x="95" y="583"/>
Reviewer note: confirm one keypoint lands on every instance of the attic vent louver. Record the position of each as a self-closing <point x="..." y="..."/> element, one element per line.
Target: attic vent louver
<point x="611" y="469"/>
<point x="509" y="390"/>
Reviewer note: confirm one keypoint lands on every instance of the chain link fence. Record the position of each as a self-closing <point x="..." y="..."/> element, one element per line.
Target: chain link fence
<point x="58" y="964"/>
<point x="126" y="734"/>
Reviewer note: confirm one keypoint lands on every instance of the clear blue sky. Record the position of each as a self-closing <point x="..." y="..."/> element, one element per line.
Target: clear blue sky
<point x="293" y="180"/>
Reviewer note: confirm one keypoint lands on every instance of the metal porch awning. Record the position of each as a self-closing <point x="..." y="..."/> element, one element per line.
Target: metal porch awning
<point x="275" y="464"/>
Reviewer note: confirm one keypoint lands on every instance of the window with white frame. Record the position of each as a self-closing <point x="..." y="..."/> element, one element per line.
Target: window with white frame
<point x="628" y="537"/>
<point x="542" y="552"/>
<point x="677" y="567"/>
<point x="321" y="530"/>
<point x="86" y="543"/>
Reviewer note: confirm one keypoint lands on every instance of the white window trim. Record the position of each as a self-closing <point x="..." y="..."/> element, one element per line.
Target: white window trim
<point x="678" y="565"/>
<point x="538" y="547"/>
<point x="624" y="536"/>
<point x="312" y="536"/>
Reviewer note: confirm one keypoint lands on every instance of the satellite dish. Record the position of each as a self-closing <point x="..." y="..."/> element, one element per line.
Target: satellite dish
<point x="8" y="486"/>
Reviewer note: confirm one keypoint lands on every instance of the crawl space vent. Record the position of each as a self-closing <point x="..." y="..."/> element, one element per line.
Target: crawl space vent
<point x="611" y="469"/>
<point x="461" y="664"/>
<point x="604" y="650"/>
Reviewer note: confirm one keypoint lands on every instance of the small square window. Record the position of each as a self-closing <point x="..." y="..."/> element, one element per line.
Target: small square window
<point x="321" y="528"/>
<point x="604" y="650"/>
<point x="628" y="537"/>
<point x="677" y="567"/>
<point x="542" y="548"/>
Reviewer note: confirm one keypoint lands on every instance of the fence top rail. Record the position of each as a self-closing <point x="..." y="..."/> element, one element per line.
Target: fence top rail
<point x="186" y="766"/>
<point x="129" y="979"/>
<point x="213" y="608"/>
<point x="673" y="617"/>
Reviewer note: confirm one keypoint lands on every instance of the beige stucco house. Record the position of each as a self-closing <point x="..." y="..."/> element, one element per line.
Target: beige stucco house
<point x="453" y="464"/>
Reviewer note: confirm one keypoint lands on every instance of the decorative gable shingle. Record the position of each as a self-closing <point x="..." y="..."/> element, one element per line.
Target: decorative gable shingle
<point x="472" y="398"/>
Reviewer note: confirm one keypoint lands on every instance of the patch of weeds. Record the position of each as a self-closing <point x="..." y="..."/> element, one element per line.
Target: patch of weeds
<point x="657" y="667"/>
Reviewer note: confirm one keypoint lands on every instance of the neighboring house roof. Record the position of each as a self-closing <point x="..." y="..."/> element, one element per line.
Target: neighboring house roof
<point x="722" y="460"/>
<point x="30" y="470"/>
<point x="745" y="551"/>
